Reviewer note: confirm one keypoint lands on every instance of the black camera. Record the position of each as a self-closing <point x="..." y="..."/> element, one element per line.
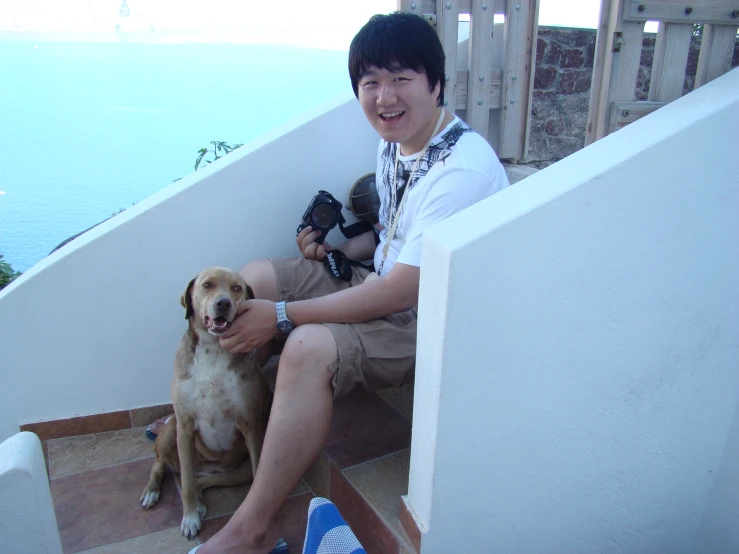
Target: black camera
<point x="323" y="214"/>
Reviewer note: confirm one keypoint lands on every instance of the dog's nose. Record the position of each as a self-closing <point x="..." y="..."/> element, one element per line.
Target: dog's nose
<point x="223" y="303"/>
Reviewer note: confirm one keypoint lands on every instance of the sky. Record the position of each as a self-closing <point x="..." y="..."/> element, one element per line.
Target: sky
<point x="296" y="22"/>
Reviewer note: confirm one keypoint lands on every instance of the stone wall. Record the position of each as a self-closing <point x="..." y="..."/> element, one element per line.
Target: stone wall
<point x="564" y="68"/>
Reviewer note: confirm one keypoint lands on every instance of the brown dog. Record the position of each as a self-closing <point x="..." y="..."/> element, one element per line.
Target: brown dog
<point x="220" y="401"/>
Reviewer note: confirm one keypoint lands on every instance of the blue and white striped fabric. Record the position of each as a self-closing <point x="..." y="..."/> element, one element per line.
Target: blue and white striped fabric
<point x="327" y="532"/>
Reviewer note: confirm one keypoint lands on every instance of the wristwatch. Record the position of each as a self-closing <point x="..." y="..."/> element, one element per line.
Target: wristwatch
<point x="284" y="325"/>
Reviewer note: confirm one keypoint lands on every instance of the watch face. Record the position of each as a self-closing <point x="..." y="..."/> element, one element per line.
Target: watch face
<point x="285" y="326"/>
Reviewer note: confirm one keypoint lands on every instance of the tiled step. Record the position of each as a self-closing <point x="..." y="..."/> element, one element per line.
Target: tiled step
<point x="363" y="469"/>
<point x="96" y="480"/>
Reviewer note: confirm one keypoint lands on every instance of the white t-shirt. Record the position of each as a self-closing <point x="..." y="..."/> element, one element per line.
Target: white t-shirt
<point x="458" y="170"/>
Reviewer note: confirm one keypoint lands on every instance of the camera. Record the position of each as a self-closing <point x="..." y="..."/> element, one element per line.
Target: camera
<point x="323" y="214"/>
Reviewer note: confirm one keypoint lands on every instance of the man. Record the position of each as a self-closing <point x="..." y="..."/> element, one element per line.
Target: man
<point x="340" y="334"/>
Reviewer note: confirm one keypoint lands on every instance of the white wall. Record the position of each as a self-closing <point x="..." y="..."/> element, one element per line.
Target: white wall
<point x="577" y="386"/>
<point x="93" y="328"/>
<point x="28" y="524"/>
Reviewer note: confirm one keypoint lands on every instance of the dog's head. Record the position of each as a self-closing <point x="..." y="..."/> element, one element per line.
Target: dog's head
<point x="212" y="298"/>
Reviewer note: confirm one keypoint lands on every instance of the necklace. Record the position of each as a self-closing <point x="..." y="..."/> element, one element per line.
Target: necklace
<point x="395" y="214"/>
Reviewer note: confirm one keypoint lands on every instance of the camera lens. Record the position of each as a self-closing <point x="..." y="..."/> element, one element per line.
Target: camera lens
<point x="323" y="216"/>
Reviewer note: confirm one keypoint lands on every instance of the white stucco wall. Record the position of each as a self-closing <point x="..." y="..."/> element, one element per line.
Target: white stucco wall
<point x="577" y="386"/>
<point x="93" y="328"/>
<point x="27" y="520"/>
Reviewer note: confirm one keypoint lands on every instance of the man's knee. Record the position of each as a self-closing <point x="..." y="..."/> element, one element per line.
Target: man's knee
<point x="311" y="348"/>
<point x="261" y="277"/>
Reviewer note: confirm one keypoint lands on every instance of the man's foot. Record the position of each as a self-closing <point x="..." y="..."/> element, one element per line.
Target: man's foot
<point x="153" y="430"/>
<point x="224" y="542"/>
<point x="280" y="548"/>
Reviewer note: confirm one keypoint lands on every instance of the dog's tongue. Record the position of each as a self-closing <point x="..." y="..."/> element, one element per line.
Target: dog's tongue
<point x="217" y="323"/>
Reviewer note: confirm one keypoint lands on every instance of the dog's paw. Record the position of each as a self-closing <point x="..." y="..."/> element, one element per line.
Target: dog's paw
<point x="149" y="497"/>
<point x="201" y="510"/>
<point x="190" y="525"/>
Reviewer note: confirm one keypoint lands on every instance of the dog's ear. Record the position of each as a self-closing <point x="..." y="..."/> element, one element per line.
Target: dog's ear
<point x="186" y="299"/>
<point x="249" y="292"/>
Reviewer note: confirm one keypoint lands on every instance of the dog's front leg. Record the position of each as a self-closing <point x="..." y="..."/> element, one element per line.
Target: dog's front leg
<point x="193" y="509"/>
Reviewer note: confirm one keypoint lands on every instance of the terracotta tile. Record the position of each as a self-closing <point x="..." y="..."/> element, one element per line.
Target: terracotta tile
<point x="382" y="482"/>
<point x="318" y="476"/>
<point x="45" y="448"/>
<point x="292" y="518"/>
<point x="409" y="525"/>
<point x="102" y="506"/>
<point x="406" y="550"/>
<point x="141" y="417"/>
<point x="367" y="525"/>
<point x="400" y="398"/>
<point x="170" y="541"/>
<point x="83" y="425"/>
<point x="221" y="501"/>
<point x="77" y="454"/>
<point x="364" y="427"/>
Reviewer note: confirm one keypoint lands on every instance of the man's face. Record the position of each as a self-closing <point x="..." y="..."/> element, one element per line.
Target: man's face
<point x="400" y="106"/>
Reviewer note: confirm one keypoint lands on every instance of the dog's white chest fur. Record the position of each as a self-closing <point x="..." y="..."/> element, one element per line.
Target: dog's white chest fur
<point x="215" y="395"/>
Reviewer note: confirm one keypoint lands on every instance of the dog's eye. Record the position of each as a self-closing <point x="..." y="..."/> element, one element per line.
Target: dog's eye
<point x="207" y="285"/>
<point x="236" y="288"/>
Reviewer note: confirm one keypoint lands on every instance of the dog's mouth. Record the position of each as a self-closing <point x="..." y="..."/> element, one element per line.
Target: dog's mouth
<point x="216" y="325"/>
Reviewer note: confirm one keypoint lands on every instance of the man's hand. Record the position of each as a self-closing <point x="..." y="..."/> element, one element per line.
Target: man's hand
<point x="255" y="325"/>
<point x="308" y="246"/>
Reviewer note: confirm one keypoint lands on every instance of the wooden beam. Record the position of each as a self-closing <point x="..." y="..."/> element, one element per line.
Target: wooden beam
<point x="682" y="11"/>
<point x="478" y="81"/>
<point x="419" y="7"/>
<point x="496" y="77"/>
<point x="622" y="56"/>
<point x="717" y="49"/>
<point x="602" y="61"/>
<point x="466" y="5"/>
<point x="448" y="30"/>
<point x="518" y="76"/>
<point x="670" y="61"/>
<point x="623" y="113"/>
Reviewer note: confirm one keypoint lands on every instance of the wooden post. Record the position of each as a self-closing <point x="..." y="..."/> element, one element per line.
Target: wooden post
<point x="617" y="70"/>
<point x="717" y="48"/>
<point x="447" y="21"/>
<point x="417" y="7"/>
<point x="670" y="60"/>
<point x="478" y="83"/>
<point x="521" y="26"/>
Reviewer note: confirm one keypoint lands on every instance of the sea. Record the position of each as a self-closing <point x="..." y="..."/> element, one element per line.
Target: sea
<point x="88" y="129"/>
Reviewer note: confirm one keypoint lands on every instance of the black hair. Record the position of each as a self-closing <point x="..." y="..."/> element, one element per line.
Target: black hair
<point x="395" y="42"/>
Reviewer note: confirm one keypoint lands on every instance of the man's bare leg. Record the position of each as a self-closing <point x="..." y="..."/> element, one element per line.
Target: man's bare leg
<point x="297" y="430"/>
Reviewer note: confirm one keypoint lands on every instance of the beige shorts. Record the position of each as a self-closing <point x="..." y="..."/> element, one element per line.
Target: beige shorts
<point x="376" y="354"/>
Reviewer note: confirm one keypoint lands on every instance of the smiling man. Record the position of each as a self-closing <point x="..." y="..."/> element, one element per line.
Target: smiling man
<point x="361" y="333"/>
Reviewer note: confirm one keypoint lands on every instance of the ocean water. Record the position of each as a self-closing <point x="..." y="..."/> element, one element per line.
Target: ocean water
<point x="89" y="128"/>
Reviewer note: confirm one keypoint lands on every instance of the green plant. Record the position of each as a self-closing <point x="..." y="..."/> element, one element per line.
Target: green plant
<point x="7" y="275"/>
<point x="218" y="146"/>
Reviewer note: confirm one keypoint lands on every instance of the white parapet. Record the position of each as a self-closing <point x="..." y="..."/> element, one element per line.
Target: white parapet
<point x="576" y="383"/>
<point x="93" y="327"/>
<point x="27" y="520"/>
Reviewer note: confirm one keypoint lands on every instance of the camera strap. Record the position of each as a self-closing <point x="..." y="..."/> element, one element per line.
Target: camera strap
<point x="338" y="265"/>
<point x="395" y="214"/>
<point x="355" y="229"/>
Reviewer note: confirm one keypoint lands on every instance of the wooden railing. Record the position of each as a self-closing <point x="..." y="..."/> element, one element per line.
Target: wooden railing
<point x="618" y="53"/>
<point x="496" y="101"/>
